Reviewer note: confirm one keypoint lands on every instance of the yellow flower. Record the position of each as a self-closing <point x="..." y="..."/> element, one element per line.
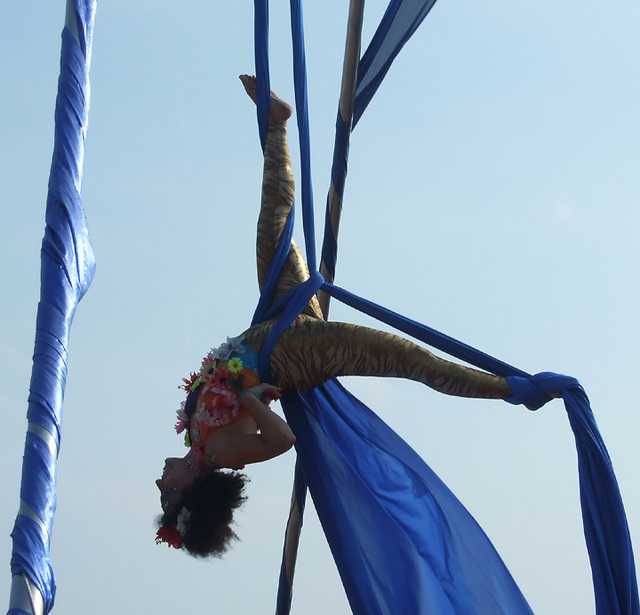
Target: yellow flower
<point x="235" y="365"/>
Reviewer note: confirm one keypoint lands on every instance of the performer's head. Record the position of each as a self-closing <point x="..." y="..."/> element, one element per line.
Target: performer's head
<point x="177" y="473"/>
<point x="198" y="507"/>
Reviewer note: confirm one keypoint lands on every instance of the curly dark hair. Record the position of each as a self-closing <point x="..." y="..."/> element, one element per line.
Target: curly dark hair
<point x="211" y="500"/>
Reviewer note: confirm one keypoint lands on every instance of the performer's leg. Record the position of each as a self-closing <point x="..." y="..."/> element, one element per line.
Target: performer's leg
<point x="312" y="352"/>
<point x="277" y="200"/>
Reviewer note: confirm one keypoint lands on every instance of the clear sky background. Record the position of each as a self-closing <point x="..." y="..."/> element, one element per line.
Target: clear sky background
<point x="493" y="194"/>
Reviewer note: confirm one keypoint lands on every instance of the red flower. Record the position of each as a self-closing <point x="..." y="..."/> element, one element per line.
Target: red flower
<point x="220" y="376"/>
<point x="170" y="535"/>
<point x="208" y="363"/>
<point x="198" y="450"/>
<point x="188" y="382"/>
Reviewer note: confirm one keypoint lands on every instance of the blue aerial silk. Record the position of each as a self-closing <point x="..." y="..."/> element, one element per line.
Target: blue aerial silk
<point x="401" y="541"/>
<point x="66" y="272"/>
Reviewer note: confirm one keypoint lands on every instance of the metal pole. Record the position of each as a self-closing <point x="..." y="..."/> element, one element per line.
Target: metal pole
<point x="25" y="596"/>
<point x="347" y="98"/>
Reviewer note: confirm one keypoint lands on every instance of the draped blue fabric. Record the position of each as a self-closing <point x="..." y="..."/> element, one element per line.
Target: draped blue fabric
<point x="66" y="273"/>
<point x="604" y="520"/>
<point x="401" y="541"/>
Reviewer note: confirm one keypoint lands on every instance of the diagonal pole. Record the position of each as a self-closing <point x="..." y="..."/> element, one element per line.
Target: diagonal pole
<point x="341" y="147"/>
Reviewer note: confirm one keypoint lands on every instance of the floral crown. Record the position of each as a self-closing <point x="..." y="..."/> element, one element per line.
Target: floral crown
<point x="217" y="387"/>
<point x="173" y="534"/>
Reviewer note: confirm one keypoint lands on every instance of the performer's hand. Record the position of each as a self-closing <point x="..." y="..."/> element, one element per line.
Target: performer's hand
<point x="270" y="393"/>
<point x="266" y="393"/>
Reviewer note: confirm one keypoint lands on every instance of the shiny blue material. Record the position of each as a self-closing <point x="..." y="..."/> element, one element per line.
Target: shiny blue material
<point x="604" y="520"/>
<point x="66" y="273"/>
<point x="400" y="539"/>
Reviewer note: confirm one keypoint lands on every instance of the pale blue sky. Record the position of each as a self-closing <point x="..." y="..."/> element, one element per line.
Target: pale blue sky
<point x="493" y="194"/>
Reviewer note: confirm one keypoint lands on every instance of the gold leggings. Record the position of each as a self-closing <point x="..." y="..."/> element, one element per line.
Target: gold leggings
<point x="313" y="350"/>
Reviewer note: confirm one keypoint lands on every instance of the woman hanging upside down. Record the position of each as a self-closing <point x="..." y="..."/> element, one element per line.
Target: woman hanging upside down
<point x="226" y="417"/>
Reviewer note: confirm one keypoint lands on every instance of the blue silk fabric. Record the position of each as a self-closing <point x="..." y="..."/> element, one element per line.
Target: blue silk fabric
<point x="402" y="542"/>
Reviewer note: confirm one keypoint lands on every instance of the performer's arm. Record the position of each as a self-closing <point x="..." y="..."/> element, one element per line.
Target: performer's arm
<point x="233" y="450"/>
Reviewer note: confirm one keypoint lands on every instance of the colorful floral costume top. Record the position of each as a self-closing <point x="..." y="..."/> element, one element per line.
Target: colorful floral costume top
<point x="213" y="393"/>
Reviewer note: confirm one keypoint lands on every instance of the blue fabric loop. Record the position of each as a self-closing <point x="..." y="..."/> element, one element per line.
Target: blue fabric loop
<point x="299" y="298"/>
<point x="525" y="392"/>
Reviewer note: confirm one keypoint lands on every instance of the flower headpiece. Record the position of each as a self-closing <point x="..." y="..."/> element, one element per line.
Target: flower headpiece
<point x="170" y="535"/>
<point x="173" y="534"/>
<point x="224" y="351"/>
<point x="220" y="387"/>
<point x="183" y="521"/>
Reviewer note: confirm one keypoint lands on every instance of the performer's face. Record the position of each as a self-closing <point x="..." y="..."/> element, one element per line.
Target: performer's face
<point x="177" y="474"/>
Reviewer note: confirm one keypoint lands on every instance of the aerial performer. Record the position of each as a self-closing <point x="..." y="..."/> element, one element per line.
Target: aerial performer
<point x="226" y="416"/>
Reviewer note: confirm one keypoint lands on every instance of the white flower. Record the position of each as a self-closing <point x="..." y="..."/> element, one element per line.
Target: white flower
<point x="182" y="413"/>
<point x="223" y="352"/>
<point x="183" y="520"/>
<point x="183" y="419"/>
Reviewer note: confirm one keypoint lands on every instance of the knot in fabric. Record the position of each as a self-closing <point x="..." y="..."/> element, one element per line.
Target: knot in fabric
<point x="533" y="391"/>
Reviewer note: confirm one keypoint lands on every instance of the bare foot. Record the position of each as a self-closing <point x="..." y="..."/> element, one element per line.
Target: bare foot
<point x="280" y="111"/>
